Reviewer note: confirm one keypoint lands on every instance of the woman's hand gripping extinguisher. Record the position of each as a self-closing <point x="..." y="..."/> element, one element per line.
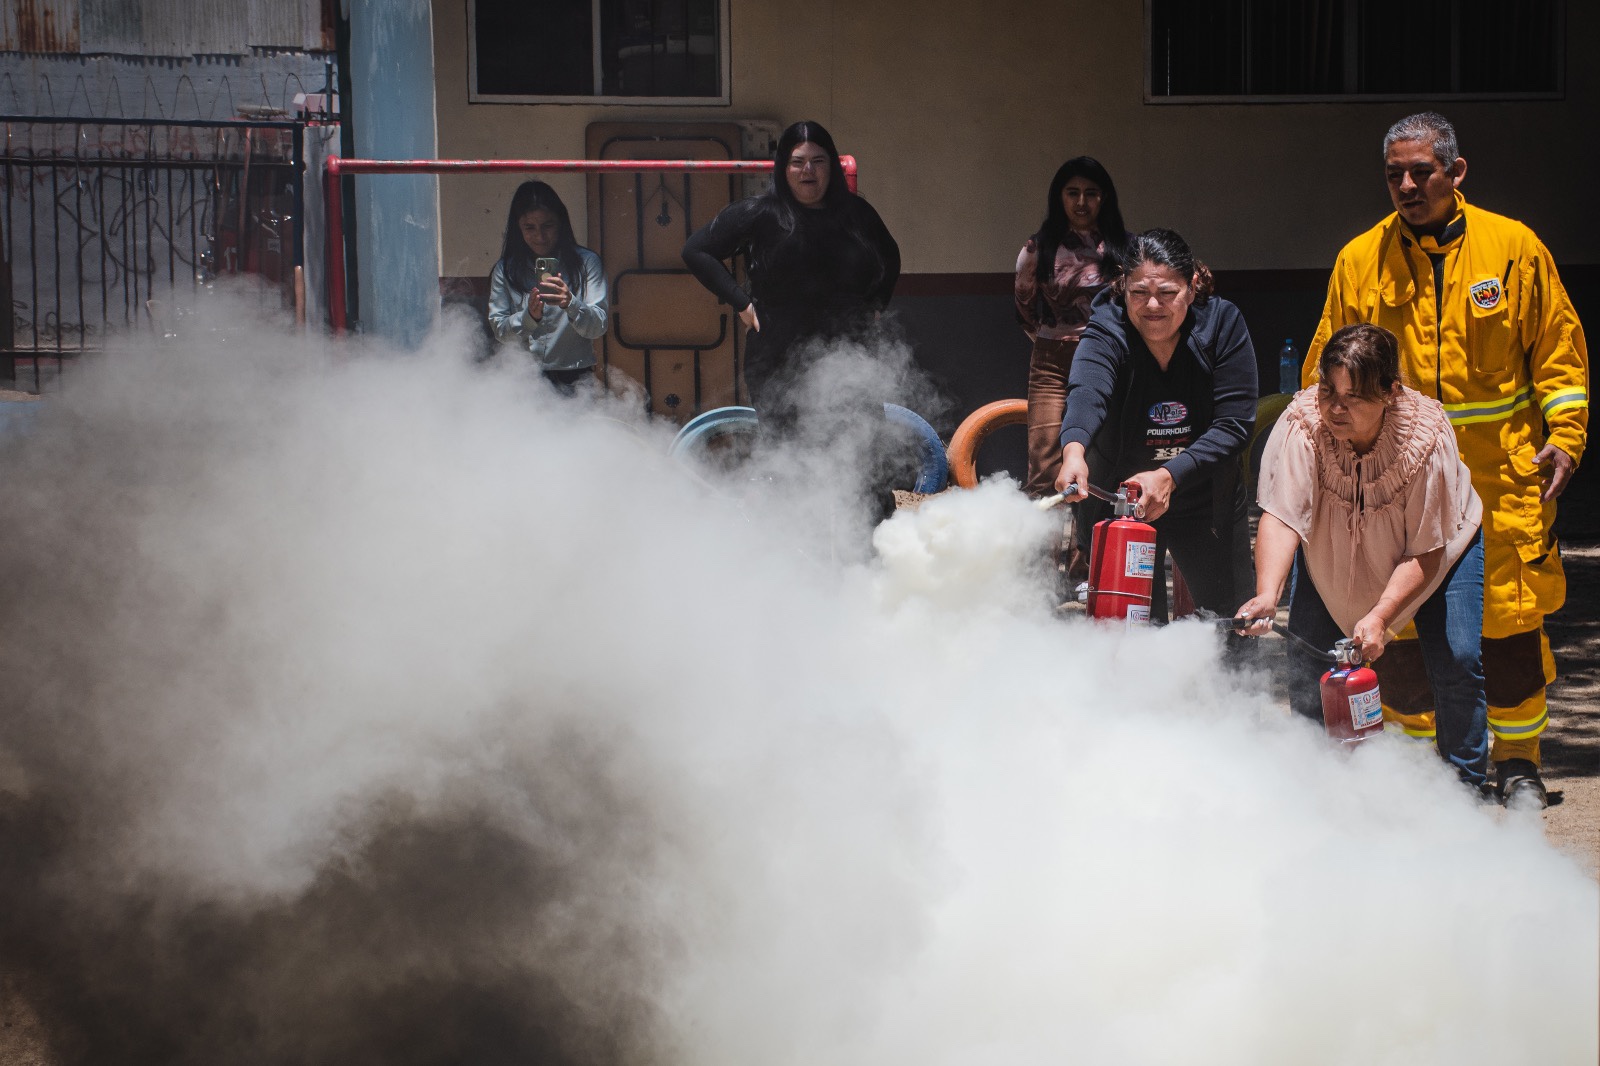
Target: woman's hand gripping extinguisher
<point x="1352" y="709"/>
<point x="1122" y="558"/>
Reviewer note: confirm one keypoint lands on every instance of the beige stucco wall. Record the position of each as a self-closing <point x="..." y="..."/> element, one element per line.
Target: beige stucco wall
<point x="959" y="116"/>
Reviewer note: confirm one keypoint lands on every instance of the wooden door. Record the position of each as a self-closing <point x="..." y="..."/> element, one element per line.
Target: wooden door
<point x="667" y="333"/>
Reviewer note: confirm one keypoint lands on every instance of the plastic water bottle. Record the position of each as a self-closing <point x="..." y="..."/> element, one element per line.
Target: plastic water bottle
<point x="1288" y="367"/>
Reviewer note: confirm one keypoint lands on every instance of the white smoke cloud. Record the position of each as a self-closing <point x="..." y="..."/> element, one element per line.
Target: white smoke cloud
<point x="271" y="603"/>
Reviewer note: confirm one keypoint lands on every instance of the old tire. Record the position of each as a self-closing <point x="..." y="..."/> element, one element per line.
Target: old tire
<point x="963" y="452"/>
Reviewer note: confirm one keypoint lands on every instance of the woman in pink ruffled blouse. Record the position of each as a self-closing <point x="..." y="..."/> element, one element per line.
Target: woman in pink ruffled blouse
<point x="1362" y="478"/>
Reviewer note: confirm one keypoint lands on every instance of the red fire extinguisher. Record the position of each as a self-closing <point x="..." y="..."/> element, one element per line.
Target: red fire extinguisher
<point x="1352" y="710"/>
<point x="1122" y="561"/>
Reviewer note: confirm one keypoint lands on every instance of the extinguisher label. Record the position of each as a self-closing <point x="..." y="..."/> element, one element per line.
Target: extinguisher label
<point x="1138" y="614"/>
<point x="1366" y="709"/>
<point x="1140" y="560"/>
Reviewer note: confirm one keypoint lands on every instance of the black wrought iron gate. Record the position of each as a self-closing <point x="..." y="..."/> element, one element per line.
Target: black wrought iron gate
<point x="107" y="225"/>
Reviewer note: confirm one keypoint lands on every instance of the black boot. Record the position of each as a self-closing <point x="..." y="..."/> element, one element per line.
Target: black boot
<point x="1519" y="785"/>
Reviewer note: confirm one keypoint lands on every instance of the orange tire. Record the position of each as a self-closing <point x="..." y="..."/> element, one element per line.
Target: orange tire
<point x="963" y="450"/>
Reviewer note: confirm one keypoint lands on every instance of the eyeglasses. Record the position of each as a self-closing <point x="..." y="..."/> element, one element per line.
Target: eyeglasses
<point x="820" y="163"/>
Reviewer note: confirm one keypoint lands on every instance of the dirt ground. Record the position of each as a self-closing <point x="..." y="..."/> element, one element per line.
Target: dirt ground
<point x="1571" y="746"/>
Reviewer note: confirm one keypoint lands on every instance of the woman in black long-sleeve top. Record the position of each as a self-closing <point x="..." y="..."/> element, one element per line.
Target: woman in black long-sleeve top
<point x="1163" y="394"/>
<point x="820" y="262"/>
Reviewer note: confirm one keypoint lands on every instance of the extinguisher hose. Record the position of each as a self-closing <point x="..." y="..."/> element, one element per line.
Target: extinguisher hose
<point x="1305" y="645"/>
<point x="1283" y="630"/>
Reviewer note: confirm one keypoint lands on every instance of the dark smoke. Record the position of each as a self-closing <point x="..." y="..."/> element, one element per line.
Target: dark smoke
<point x="468" y="925"/>
<point x="414" y="949"/>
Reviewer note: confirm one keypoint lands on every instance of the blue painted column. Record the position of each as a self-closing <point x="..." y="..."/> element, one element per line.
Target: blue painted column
<point x="397" y="216"/>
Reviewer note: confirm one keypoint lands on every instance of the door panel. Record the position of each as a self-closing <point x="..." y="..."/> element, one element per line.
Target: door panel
<point x="668" y="333"/>
<point x="668" y="309"/>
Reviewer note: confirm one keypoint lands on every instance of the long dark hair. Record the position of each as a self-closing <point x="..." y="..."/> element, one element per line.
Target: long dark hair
<point x="1164" y="248"/>
<point x="515" y="255"/>
<point x="1053" y="230"/>
<point x="792" y="138"/>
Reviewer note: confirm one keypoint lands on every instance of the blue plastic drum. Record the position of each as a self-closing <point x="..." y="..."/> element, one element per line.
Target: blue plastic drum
<point x="698" y="434"/>
<point x="17" y="413"/>
<point x="933" y="467"/>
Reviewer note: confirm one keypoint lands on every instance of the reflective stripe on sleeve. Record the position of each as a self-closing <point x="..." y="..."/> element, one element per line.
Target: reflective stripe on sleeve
<point x="1465" y="413"/>
<point x="1562" y="399"/>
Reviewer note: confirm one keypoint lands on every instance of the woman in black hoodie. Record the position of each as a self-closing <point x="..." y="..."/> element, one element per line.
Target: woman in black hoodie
<point x="820" y="263"/>
<point x="1163" y="394"/>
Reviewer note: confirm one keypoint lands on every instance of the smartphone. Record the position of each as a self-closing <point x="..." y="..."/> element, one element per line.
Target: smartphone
<point x="543" y="268"/>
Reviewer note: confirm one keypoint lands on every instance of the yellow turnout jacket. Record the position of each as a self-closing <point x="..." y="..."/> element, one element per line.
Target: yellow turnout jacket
<point x="1490" y="333"/>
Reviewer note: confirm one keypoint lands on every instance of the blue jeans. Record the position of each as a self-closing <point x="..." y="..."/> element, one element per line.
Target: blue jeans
<point x="1449" y="636"/>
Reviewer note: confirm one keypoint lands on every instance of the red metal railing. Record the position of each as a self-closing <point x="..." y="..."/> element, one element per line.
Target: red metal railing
<point x="337" y="167"/>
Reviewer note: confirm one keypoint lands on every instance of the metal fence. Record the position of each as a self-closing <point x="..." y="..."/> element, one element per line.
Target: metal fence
<point x="110" y="225"/>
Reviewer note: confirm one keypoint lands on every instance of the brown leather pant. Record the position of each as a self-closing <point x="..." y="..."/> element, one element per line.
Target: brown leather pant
<point x="1047" y="403"/>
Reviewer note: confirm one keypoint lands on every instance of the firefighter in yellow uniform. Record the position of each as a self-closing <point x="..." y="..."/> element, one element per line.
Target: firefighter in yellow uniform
<point x="1486" y="328"/>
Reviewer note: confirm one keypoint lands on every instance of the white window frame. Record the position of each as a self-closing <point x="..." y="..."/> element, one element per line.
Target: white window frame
<point x="1345" y="98"/>
<point x="724" y="70"/>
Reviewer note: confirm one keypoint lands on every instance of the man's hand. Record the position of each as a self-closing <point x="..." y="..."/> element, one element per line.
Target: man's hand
<point x="1561" y="468"/>
<point x="1155" y="493"/>
<point x="748" y="317"/>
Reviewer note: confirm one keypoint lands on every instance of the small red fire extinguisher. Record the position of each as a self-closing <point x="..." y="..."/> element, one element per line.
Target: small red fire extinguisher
<point x="1122" y="561"/>
<point x="1352" y="710"/>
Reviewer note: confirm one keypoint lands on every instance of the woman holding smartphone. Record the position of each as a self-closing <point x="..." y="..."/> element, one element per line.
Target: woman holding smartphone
<point x="547" y="295"/>
<point x="820" y="262"/>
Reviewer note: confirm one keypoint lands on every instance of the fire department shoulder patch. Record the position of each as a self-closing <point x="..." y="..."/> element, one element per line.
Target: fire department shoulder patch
<point x="1485" y="294"/>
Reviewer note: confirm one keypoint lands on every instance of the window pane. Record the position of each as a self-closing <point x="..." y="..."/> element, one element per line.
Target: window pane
<point x="1295" y="48"/>
<point x="1510" y="49"/>
<point x="535" y="47"/>
<point x="1196" y="49"/>
<point x="660" y="47"/>
<point x="1405" y="48"/>
<point x="1419" y="48"/>
<point x="1228" y="47"/>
